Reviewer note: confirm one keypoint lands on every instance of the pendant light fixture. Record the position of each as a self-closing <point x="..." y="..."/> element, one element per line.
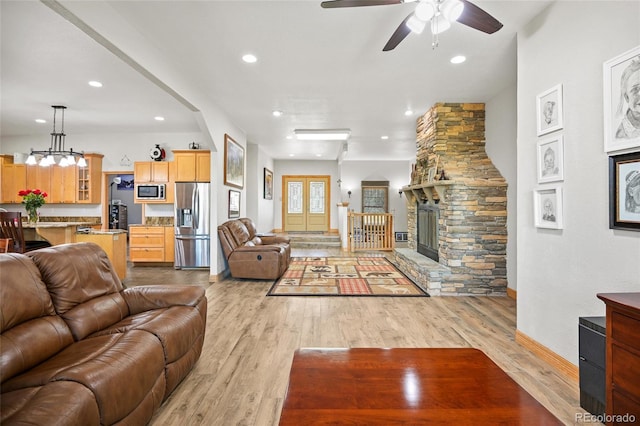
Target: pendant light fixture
<point x="67" y="158"/>
<point x="441" y="13"/>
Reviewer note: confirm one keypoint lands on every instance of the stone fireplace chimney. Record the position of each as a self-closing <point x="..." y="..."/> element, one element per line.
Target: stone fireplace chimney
<point x="472" y="205"/>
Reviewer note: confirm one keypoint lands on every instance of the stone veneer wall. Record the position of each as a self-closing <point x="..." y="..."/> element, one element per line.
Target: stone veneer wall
<point x="473" y="211"/>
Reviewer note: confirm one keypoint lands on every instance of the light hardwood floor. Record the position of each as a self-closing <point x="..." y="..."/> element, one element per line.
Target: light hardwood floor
<point x="242" y="375"/>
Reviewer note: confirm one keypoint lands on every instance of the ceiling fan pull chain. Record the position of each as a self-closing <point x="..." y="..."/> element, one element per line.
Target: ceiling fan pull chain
<point x="435" y="41"/>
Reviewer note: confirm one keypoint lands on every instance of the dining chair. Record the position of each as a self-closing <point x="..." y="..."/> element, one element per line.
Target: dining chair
<point x="11" y="228"/>
<point x="6" y="244"/>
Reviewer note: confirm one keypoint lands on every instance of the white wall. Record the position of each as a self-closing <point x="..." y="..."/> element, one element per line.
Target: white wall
<point x="560" y="271"/>
<point x="259" y="209"/>
<point x="398" y="173"/>
<point x="500" y="134"/>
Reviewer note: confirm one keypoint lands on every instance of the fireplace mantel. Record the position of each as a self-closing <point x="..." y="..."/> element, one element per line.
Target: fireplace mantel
<point x="424" y="191"/>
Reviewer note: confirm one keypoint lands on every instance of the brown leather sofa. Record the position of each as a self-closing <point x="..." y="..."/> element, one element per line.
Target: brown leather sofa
<point x="250" y="255"/>
<point x="78" y="349"/>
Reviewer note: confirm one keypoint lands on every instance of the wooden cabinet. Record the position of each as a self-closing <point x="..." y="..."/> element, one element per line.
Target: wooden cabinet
<point x="623" y="356"/>
<point x="68" y="185"/>
<point x="13" y="178"/>
<point x="192" y="165"/>
<point x="155" y="172"/>
<point x="151" y="244"/>
<point x="115" y="246"/>
<point x="89" y="188"/>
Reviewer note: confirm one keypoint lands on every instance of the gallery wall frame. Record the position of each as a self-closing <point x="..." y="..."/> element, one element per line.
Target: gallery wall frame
<point x="550" y="155"/>
<point x="234" y="204"/>
<point x="549" y="110"/>
<point x="268" y="184"/>
<point x="621" y="85"/>
<point x="547" y="206"/>
<point x="233" y="163"/>
<point x="624" y="191"/>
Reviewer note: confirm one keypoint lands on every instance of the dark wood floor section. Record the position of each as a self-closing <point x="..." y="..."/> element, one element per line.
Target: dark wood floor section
<point x="242" y="376"/>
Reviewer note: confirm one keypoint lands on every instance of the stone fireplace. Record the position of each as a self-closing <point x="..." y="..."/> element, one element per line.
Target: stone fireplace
<point x="470" y="207"/>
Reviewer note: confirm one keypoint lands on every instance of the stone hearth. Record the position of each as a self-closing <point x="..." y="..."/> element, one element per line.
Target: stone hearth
<point x="472" y="203"/>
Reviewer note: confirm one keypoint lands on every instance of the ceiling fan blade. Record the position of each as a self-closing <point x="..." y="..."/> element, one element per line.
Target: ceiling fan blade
<point x="399" y="34"/>
<point x="474" y="17"/>
<point x="357" y="3"/>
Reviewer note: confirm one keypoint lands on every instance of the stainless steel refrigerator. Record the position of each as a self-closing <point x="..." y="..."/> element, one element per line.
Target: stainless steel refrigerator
<point x="191" y="222"/>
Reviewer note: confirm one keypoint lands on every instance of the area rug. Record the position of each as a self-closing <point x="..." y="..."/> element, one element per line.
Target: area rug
<point x="344" y="276"/>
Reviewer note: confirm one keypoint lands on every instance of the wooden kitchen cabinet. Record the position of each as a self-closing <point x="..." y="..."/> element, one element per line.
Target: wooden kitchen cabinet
<point x="151" y="244"/>
<point x="155" y="172"/>
<point x="13" y="178"/>
<point x="63" y="185"/>
<point x="89" y="188"/>
<point x="192" y="165"/>
<point x="151" y="171"/>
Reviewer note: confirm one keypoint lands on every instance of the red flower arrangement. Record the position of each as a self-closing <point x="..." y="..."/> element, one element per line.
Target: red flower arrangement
<point x="32" y="200"/>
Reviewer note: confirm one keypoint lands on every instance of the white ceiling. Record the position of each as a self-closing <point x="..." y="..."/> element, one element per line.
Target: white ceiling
<point x="324" y="68"/>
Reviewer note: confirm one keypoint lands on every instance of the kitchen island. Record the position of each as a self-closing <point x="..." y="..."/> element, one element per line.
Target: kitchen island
<point x="113" y="242"/>
<point x="54" y="232"/>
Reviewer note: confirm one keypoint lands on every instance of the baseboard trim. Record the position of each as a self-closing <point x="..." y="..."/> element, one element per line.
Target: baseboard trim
<point x="568" y="368"/>
<point x="512" y="293"/>
<point x="216" y="278"/>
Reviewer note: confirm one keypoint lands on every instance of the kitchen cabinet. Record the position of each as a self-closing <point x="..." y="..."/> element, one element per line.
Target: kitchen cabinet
<point x="155" y="172"/>
<point x="63" y="185"/>
<point x="151" y="244"/>
<point x="192" y="165"/>
<point x="89" y="188"/>
<point x="114" y="244"/>
<point x="13" y="177"/>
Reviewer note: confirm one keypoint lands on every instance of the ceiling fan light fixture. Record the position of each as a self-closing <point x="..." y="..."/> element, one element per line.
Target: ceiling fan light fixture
<point x="439" y="24"/>
<point x="452" y="9"/>
<point x="415" y="24"/>
<point x="424" y="11"/>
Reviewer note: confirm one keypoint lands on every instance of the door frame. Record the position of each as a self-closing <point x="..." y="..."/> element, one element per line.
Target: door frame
<point x="285" y="201"/>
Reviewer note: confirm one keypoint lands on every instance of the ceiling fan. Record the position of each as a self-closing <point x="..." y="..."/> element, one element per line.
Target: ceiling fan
<point x="439" y="13"/>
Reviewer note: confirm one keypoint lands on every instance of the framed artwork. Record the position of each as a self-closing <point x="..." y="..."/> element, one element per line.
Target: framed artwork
<point x="431" y="174"/>
<point x="624" y="191"/>
<point x="126" y="183"/>
<point x="547" y="204"/>
<point x="622" y="101"/>
<point x="233" y="163"/>
<point x="549" y="110"/>
<point x="234" y="204"/>
<point x="550" y="159"/>
<point x="268" y="184"/>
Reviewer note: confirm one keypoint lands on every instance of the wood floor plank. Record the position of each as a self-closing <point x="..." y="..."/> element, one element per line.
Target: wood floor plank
<point x="242" y="375"/>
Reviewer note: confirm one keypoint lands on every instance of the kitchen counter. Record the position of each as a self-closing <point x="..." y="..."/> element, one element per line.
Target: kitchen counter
<point x="54" y="232"/>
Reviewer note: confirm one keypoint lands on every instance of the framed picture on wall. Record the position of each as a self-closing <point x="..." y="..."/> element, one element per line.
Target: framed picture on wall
<point x="549" y="110"/>
<point x="547" y="204"/>
<point x="234" y="204"/>
<point x="550" y="159"/>
<point x="233" y="163"/>
<point x="268" y="184"/>
<point x="624" y="191"/>
<point x="622" y="101"/>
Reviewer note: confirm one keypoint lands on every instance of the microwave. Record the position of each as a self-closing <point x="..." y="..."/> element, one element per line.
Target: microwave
<point x="151" y="191"/>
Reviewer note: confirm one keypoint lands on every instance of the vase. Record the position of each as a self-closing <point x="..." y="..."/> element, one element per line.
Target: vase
<point x="32" y="215"/>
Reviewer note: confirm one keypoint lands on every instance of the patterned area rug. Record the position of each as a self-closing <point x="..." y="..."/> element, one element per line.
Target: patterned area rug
<point x="343" y="276"/>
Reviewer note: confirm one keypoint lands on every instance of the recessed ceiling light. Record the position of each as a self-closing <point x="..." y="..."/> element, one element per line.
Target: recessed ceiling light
<point x="408" y="112"/>
<point x="289" y="137"/>
<point x="277" y="113"/>
<point x="249" y="58"/>
<point x="318" y="155"/>
<point x="384" y="137"/>
<point x="94" y="83"/>
<point x="291" y="155"/>
<point x="40" y="120"/>
<point x="458" y="59"/>
<point x="158" y="118"/>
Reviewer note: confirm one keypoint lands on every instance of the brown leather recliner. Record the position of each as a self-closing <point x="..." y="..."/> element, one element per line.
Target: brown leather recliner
<point x="78" y="348"/>
<point x="250" y="255"/>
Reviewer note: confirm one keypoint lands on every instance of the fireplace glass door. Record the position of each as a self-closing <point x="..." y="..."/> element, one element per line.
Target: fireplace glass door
<point x="427" y="243"/>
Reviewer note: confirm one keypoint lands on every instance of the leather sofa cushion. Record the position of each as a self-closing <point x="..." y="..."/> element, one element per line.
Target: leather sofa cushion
<point x="83" y="285"/>
<point x="239" y="232"/>
<point x="31" y="332"/>
<point x="119" y="369"/>
<point x="42" y="405"/>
